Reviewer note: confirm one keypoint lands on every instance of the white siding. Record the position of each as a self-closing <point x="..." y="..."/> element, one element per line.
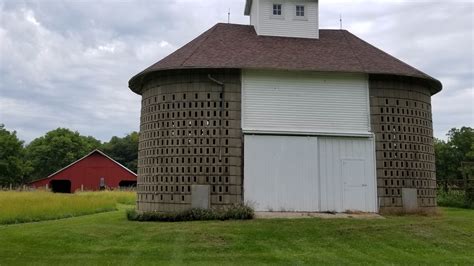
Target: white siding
<point x="304" y="102"/>
<point x="336" y="191"/>
<point x="288" y="25"/>
<point x="280" y="173"/>
<point x="254" y="18"/>
<point x="291" y="173"/>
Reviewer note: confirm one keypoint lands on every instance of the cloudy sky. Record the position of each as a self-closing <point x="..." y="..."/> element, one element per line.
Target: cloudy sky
<point x="67" y="63"/>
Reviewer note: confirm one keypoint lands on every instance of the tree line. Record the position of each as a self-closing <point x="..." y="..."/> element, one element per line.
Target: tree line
<point x="452" y="153"/>
<point x="20" y="163"/>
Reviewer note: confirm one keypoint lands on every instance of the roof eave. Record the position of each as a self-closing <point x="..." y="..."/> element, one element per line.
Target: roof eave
<point x="136" y="82"/>
<point x="434" y="85"/>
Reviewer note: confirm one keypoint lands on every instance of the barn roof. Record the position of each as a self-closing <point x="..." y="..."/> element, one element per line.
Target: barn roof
<point x="239" y="47"/>
<point x="89" y="154"/>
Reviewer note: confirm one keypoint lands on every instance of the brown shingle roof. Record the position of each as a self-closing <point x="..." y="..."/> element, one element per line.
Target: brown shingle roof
<point x="238" y="46"/>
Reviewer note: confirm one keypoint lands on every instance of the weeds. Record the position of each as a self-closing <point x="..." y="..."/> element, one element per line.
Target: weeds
<point x="121" y="197"/>
<point x="23" y="207"/>
<point x="235" y="212"/>
<point x="454" y="198"/>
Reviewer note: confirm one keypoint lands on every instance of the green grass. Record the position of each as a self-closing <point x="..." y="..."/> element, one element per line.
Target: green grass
<point x="21" y="207"/>
<point x="109" y="239"/>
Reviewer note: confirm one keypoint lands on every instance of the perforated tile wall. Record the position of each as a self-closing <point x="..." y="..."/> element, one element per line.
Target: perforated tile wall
<point x="401" y="119"/>
<point x="190" y="135"/>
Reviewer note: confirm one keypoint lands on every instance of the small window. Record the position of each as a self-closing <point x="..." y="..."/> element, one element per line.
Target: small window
<point x="300" y="11"/>
<point x="277" y="9"/>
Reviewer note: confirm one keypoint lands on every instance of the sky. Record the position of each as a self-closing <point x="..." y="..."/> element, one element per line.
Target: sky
<point x="67" y="63"/>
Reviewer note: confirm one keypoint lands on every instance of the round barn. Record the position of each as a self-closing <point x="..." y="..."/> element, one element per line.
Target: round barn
<point x="287" y="117"/>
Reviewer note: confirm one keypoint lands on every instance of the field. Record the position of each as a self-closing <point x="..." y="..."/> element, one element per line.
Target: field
<point x="20" y="207"/>
<point x="108" y="238"/>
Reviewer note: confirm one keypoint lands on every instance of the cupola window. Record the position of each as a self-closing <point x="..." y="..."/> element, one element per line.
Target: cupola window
<point x="277" y="9"/>
<point x="300" y="11"/>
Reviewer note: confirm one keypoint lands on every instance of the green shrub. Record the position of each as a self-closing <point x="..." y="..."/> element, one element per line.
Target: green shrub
<point x="235" y="212"/>
<point x="240" y="212"/>
<point x="454" y="198"/>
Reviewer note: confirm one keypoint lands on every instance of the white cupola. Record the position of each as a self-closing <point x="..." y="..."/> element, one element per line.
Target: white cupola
<point x="284" y="18"/>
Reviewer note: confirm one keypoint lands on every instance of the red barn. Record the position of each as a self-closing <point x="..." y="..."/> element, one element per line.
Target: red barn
<point x="94" y="171"/>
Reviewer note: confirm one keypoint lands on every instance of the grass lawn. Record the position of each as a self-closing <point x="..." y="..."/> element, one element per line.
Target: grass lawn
<point x="20" y="207"/>
<point x="108" y="238"/>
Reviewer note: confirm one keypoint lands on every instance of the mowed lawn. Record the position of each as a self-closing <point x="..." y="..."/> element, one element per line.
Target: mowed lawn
<point x="109" y="239"/>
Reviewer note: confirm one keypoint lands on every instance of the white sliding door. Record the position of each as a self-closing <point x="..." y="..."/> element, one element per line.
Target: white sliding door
<point x="281" y="173"/>
<point x="309" y="174"/>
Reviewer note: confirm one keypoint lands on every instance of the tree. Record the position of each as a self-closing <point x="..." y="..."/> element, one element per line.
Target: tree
<point x="13" y="167"/>
<point x="462" y="141"/>
<point x="123" y="150"/>
<point x="446" y="160"/>
<point x="57" y="149"/>
<point x="449" y="155"/>
<point x="470" y="154"/>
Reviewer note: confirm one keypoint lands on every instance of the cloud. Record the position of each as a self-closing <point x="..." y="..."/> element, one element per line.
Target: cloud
<point x="67" y="63"/>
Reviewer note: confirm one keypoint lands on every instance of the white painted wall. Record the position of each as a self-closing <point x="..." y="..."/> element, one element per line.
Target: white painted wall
<point x="296" y="173"/>
<point x="286" y="25"/>
<point x="305" y="103"/>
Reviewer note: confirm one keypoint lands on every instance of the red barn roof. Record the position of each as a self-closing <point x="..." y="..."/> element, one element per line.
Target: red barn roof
<point x="238" y="46"/>
<point x="89" y="172"/>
